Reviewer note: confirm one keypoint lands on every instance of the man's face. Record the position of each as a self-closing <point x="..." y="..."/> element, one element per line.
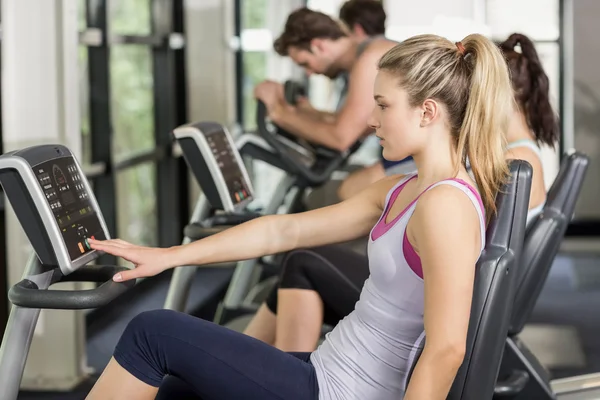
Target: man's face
<point x="319" y="61"/>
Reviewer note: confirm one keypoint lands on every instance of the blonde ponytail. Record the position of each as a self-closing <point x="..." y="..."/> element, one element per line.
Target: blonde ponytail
<point x="471" y="79"/>
<point x="482" y="135"/>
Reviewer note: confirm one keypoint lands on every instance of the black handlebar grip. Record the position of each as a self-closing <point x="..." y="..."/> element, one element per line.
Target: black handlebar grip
<point x="27" y="294"/>
<point x="293" y="90"/>
<point x="313" y="178"/>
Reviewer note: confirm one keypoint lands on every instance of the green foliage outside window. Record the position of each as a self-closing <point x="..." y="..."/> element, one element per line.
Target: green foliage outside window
<point x="255" y="71"/>
<point x="132" y="114"/>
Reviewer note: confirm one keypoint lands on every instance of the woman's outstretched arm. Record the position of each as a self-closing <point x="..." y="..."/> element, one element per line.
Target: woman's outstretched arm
<point x="266" y="235"/>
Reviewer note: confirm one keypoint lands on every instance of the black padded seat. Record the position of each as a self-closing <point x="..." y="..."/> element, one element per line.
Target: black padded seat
<point x="494" y="288"/>
<point x="544" y="235"/>
<point x="521" y="375"/>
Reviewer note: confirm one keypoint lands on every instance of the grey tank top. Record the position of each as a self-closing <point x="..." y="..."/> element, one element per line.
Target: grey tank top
<point x="344" y="79"/>
<point x="369" y="354"/>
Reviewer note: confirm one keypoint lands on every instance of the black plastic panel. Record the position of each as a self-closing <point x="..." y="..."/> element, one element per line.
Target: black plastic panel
<point x="231" y="170"/>
<point x="196" y="162"/>
<point x="30" y="220"/>
<point x="38" y="154"/>
<point x="69" y="201"/>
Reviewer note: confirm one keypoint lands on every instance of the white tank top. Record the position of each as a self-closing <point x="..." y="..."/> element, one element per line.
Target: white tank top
<point x="369" y="354"/>
<point x="530" y="144"/>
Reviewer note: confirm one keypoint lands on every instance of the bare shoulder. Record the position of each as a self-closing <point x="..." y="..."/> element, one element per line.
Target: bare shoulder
<point x="524" y="153"/>
<point x="447" y="205"/>
<point x="445" y="220"/>
<point x="538" y="189"/>
<point x="374" y="51"/>
<point x="378" y="47"/>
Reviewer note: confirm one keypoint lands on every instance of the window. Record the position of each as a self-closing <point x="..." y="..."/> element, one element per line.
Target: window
<point x="136" y="202"/>
<point x="256" y="44"/>
<point x="132" y="112"/>
<point x="129" y="17"/>
<point x="84" y="90"/>
<point x="120" y="119"/>
<point x="84" y="101"/>
<point x="254" y="14"/>
<point x="255" y="71"/>
<point x="81" y="18"/>
<point x="131" y="99"/>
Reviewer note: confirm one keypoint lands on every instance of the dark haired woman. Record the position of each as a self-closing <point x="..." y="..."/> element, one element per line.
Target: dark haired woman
<point x="534" y="122"/>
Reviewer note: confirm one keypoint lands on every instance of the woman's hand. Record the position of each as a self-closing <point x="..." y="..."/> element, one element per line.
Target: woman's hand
<point x="147" y="261"/>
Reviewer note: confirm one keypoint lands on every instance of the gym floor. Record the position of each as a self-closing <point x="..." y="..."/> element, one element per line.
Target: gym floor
<point x="564" y="330"/>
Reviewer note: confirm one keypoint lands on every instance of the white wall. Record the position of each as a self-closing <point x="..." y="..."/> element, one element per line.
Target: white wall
<point x="280" y="68"/>
<point x="209" y="61"/>
<point x="322" y="90"/>
<point x="452" y="19"/>
<point x="210" y="64"/>
<point x="40" y="104"/>
<point x="586" y="107"/>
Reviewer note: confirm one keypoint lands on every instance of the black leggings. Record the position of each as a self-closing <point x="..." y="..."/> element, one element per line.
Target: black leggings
<point x="336" y="273"/>
<point x="203" y="360"/>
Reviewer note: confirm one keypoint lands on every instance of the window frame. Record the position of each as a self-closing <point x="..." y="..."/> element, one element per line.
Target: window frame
<point x="167" y="45"/>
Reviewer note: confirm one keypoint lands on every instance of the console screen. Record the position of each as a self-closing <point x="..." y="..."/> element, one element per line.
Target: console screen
<point x="232" y="173"/>
<point x="70" y="203"/>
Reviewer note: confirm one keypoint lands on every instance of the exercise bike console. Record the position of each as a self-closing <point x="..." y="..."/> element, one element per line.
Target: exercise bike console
<point x="216" y="164"/>
<point x="54" y="203"/>
<point x="213" y="158"/>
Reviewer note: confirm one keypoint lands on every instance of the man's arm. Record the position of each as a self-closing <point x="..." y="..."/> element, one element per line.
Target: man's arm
<point x="351" y="122"/>
<point x="304" y="107"/>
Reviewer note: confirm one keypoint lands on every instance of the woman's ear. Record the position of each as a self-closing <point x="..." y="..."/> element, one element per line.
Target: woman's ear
<point x="429" y="112"/>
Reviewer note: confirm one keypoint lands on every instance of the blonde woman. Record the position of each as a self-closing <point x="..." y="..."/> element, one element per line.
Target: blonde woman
<point x="436" y="101"/>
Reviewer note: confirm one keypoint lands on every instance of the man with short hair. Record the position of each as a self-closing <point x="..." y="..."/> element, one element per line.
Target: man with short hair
<point x="323" y="46"/>
<point x="364" y="18"/>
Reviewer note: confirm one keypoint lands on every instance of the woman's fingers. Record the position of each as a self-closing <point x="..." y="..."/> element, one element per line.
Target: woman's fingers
<point x="111" y="248"/>
<point x="129" y="275"/>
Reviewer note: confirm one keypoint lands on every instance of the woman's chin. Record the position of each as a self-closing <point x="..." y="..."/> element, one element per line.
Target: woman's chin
<point x="393" y="155"/>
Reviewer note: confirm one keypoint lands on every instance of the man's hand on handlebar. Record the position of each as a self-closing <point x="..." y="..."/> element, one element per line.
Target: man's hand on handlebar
<point x="147" y="261"/>
<point x="303" y="103"/>
<point x="269" y="92"/>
